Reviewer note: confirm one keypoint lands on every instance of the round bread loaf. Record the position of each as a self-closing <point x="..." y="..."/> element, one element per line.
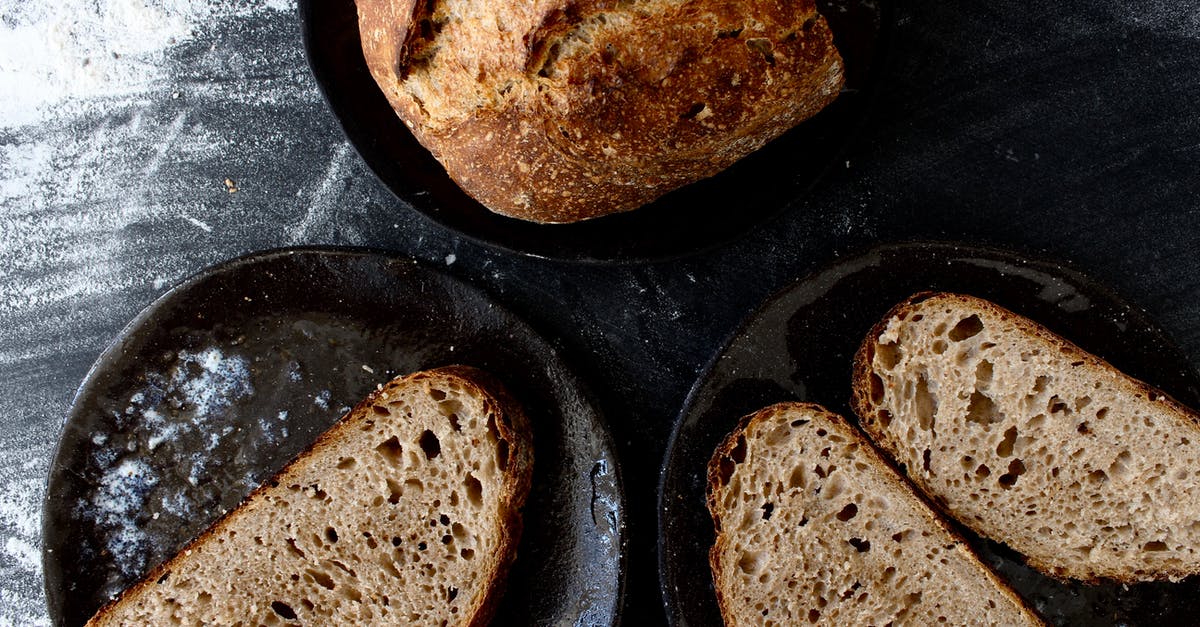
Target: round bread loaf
<point x="556" y="111"/>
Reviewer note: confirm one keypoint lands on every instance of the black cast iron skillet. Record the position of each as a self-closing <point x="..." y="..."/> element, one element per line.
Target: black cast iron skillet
<point x="250" y="361"/>
<point x="693" y="218"/>
<point x="799" y="345"/>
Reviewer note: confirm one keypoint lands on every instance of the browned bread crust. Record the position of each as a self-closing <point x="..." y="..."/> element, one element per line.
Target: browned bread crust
<point x="153" y="601"/>
<point x="787" y="560"/>
<point x="1104" y="436"/>
<point x="556" y="111"/>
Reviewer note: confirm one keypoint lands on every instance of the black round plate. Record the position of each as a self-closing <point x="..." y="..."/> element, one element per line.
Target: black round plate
<point x="799" y="346"/>
<point x="690" y="219"/>
<point x="224" y="378"/>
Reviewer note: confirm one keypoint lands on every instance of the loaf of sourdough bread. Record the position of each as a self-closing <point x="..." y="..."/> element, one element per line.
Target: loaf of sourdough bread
<point x="813" y="526"/>
<point x="557" y="111"/>
<point x="407" y="511"/>
<point x="1033" y="442"/>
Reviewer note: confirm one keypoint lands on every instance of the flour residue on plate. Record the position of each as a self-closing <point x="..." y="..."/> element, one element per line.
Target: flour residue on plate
<point x="169" y="446"/>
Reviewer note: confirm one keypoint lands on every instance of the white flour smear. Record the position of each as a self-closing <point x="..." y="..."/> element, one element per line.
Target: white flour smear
<point x="101" y="134"/>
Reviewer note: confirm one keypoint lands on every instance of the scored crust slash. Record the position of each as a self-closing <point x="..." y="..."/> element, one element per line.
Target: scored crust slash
<point x="557" y="111"/>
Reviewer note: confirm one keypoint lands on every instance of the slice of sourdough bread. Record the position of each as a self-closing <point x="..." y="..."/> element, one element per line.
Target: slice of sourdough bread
<point x="813" y="526"/>
<point x="1032" y="442"/>
<point x="407" y="511"/>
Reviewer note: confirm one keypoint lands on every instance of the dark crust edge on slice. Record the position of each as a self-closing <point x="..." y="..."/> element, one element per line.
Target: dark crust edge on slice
<point x="513" y="426"/>
<point x="868" y="448"/>
<point x="868" y="414"/>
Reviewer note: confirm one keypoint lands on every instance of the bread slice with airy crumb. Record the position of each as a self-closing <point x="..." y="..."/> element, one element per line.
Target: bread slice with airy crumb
<point x="407" y="511"/>
<point x="813" y="526"/>
<point x="1033" y="442"/>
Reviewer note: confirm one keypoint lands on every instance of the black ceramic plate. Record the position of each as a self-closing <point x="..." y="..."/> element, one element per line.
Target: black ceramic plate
<point x="690" y="219"/>
<point x="226" y="377"/>
<point x="799" y="345"/>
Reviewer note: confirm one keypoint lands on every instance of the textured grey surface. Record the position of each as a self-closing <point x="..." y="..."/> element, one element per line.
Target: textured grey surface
<point x="1071" y="129"/>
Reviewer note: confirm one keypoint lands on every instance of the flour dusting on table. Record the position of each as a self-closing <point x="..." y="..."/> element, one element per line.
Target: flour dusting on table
<point x="108" y="149"/>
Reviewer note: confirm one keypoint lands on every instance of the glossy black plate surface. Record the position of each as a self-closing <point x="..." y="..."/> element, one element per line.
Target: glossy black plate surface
<point x="224" y="378"/>
<point x="690" y="219"/>
<point x="798" y="346"/>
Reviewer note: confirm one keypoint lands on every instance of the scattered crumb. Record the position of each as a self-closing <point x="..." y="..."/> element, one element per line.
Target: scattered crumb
<point x="231" y="186"/>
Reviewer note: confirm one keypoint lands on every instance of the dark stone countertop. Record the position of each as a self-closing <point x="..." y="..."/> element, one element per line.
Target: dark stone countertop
<point x="1068" y="130"/>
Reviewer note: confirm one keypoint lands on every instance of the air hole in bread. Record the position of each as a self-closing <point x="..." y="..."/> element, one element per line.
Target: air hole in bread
<point x="924" y="403"/>
<point x="1154" y="546"/>
<point x="983" y="373"/>
<point x="877" y="389"/>
<point x="449" y="407"/>
<point x="331" y="534"/>
<point x="884" y="417"/>
<point x="887" y="356"/>
<point x="848" y="512"/>
<point x="391" y="450"/>
<point x="966" y="328"/>
<point x="767" y="510"/>
<point x="1057" y="405"/>
<point x="382" y="411"/>
<point x="1016" y="468"/>
<point x="835" y="486"/>
<point x="1118" y="466"/>
<point x="320" y="578"/>
<point x="474" y="490"/>
<point x="291" y="544"/>
<point x="1039" y="385"/>
<point x="430" y="444"/>
<point x="750" y="562"/>
<point x="983" y="471"/>
<point x="346" y="463"/>
<point x="797" y="478"/>
<point x="925" y="458"/>
<point x="730" y="34"/>
<point x="939" y="347"/>
<point x="284" y="610"/>
<point x="814" y="615"/>
<point x="394" y="491"/>
<point x="1005" y="447"/>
